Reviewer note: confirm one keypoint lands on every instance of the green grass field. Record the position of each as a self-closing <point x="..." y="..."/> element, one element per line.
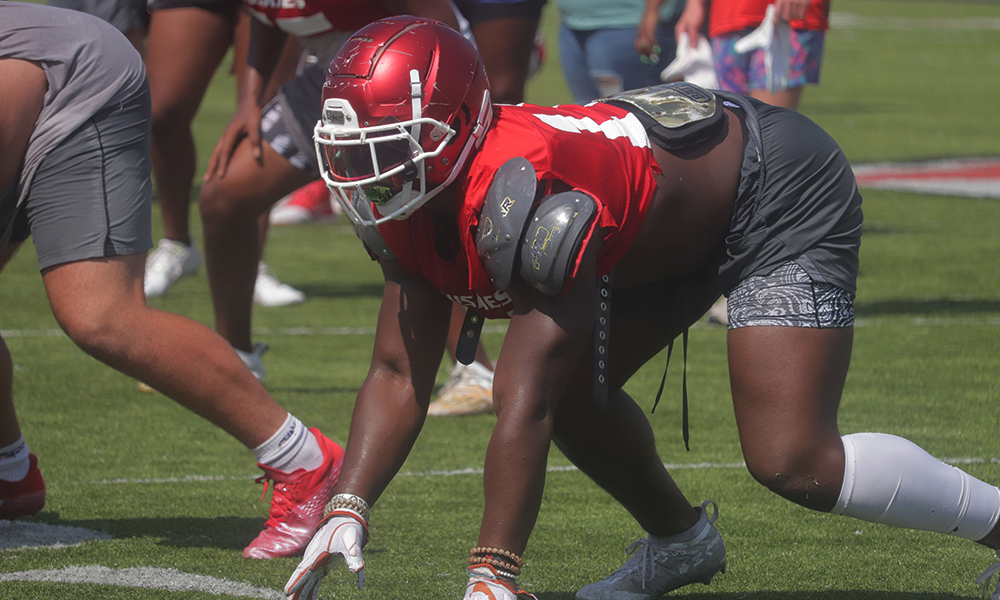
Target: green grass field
<point x="901" y="81"/>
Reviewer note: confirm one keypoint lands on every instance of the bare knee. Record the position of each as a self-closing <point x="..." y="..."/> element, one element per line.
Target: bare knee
<point x="97" y="332"/>
<point x="810" y="475"/>
<point x="220" y="206"/>
<point x="168" y="120"/>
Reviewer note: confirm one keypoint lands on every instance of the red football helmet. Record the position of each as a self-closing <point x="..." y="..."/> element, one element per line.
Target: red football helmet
<point x="405" y="101"/>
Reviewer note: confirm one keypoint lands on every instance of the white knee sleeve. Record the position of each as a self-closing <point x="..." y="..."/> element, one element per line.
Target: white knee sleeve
<point x="890" y="480"/>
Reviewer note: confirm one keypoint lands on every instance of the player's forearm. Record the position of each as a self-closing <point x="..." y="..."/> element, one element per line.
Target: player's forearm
<point x="386" y="421"/>
<point x="263" y="54"/>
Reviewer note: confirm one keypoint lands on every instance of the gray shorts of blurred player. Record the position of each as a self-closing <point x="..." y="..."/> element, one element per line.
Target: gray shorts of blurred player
<point x="91" y="196"/>
<point x="125" y="15"/>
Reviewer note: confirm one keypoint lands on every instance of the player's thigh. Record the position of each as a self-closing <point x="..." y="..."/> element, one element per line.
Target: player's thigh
<point x="184" y="48"/>
<point x="789" y="345"/>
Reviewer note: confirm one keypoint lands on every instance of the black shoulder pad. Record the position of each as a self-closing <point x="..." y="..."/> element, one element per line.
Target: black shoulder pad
<point x="505" y="213"/>
<point x="675" y="115"/>
<point x="554" y="240"/>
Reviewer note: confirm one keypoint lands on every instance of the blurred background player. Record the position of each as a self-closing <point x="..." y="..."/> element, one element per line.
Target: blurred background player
<point x="267" y="153"/>
<point x="75" y="176"/>
<point x="606" y="46"/>
<point x="187" y="42"/>
<point x="505" y="32"/>
<point x="743" y="68"/>
<point x="128" y="16"/>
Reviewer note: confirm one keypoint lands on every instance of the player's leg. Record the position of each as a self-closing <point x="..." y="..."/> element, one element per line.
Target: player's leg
<point x="22" y="489"/>
<point x="787" y="382"/>
<point x="10" y="430"/>
<point x="505" y="36"/>
<point x="185" y="47"/>
<point x="89" y="213"/>
<point x="99" y="303"/>
<point x="230" y="207"/>
<point x="616" y="448"/>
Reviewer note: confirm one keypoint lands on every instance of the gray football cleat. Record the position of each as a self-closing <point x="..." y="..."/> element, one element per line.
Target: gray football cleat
<point x="657" y="569"/>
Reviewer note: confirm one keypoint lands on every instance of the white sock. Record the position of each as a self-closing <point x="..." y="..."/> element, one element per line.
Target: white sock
<point x="890" y="480"/>
<point x="14" y="463"/>
<point x="292" y="447"/>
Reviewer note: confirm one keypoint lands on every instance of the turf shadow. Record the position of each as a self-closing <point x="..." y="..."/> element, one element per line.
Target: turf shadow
<point x="225" y="533"/>
<point x="803" y="595"/>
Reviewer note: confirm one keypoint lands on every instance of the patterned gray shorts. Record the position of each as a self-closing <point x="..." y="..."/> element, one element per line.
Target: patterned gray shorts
<point x="274" y="130"/>
<point x="788" y="297"/>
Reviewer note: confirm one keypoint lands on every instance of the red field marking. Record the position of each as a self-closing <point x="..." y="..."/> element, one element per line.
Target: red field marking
<point x="974" y="178"/>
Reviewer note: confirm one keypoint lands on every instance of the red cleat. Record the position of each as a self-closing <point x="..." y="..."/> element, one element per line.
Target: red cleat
<point x="297" y="504"/>
<point x="310" y="203"/>
<point x="25" y="497"/>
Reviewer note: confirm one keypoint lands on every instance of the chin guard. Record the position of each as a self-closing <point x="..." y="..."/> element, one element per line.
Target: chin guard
<point x="368" y="234"/>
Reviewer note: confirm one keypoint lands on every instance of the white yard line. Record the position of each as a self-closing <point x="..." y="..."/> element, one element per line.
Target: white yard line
<point x="145" y="577"/>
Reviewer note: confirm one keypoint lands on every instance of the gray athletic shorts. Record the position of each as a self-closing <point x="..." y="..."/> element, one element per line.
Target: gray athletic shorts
<point x="125" y="15"/>
<point x="797" y="204"/>
<point x="91" y="197"/>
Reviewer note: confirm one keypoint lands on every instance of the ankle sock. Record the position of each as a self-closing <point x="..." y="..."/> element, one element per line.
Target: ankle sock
<point x="14" y="462"/>
<point x="292" y="447"/>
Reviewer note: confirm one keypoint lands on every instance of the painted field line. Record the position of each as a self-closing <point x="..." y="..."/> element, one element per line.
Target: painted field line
<point x="969" y="460"/>
<point x="145" y="577"/>
<point x="348" y="331"/>
<point x="842" y="20"/>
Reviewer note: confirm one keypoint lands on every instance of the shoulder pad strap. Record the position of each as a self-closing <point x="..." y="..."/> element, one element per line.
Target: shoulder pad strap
<point x="554" y="239"/>
<point x="504" y="215"/>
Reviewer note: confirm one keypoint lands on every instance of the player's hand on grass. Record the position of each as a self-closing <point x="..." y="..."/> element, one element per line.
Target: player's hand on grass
<point x="342" y="535"/>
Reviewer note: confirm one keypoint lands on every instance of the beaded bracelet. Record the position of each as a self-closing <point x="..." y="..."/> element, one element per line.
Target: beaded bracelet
<point x="482" y="550"/>
<point x="503" y="560"/>
<point x="355" y="503"/>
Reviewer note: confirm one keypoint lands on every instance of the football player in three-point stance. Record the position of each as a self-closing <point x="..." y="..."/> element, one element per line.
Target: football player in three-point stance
<point x="602" y="232"/>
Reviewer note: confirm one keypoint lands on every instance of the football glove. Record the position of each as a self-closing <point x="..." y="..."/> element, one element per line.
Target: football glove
<point x="343" y="533"/>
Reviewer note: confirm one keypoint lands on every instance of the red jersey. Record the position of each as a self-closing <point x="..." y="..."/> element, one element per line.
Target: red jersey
<point x="306" y="18"/>
<point x="600" y="150"/>
<point x="728" y="16"/>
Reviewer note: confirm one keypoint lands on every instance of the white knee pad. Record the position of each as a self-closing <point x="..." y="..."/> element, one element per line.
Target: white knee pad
<point x="890" y="480"/>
